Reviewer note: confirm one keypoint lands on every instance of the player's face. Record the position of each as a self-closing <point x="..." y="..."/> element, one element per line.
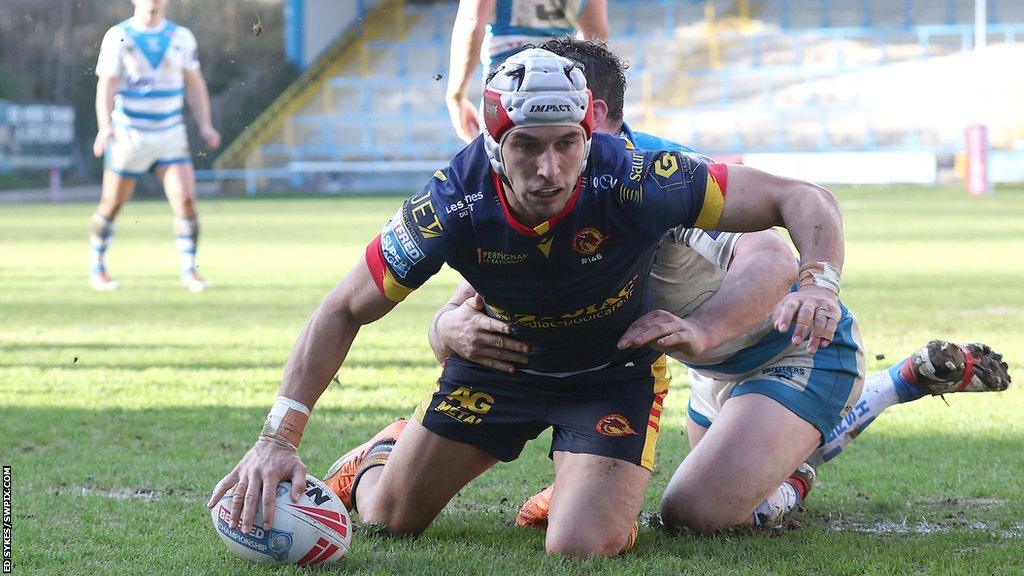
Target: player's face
<point x="543" y="165"/>
<point x="156" y="6"/>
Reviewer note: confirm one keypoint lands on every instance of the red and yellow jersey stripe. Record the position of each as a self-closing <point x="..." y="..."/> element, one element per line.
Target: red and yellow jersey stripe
<point x="714" y="197"/>
<point x="391" y="288"/>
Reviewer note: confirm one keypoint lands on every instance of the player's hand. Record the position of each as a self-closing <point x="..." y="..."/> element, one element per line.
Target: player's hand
<point x="815" y="311"/>
<point x="210" y="136"/>
<point x="666" y="333"/>
<point x="464" y="118"/>
<point x="477" y="337"/>
<point x="103" y="136"/>
<point x="256" y="477"/>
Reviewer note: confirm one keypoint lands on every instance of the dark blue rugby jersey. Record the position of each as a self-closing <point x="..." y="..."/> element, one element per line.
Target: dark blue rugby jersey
<point x="572" y="285"/>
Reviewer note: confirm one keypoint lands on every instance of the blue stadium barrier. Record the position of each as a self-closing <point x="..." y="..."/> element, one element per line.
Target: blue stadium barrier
<point x="381" y="112"/>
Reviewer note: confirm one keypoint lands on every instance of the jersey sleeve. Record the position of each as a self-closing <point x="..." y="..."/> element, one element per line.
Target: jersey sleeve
<point x="714" y="246"/>
<point x="670" y="188"/>
<point x="109" y="62"/>
<point x="411" y="247"/>
<point x="190" y="49"/>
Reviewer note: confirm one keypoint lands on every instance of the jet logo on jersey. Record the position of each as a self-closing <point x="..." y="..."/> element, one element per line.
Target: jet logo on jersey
<point x="422" y="210"/>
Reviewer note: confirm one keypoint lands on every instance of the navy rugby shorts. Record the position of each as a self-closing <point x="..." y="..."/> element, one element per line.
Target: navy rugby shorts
<point x="613" y="412"/>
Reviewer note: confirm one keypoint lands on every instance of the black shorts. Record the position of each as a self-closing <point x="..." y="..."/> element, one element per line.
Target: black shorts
<point x="613" y="412"/>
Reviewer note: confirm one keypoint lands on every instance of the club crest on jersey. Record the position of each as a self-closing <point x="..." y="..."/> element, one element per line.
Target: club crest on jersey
<point x="587" y="241"/>
<point x="614" y="425"/>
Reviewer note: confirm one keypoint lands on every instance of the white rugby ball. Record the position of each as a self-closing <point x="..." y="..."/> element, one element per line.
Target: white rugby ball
<point x="315" y="530"/>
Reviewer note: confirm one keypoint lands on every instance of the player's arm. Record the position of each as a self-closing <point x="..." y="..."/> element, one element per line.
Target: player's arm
<point x="106" y="89"/>
<point x="760" y="275"/>
<point x="756" y="200"/>
<point x="198" y="98"/>
<point x="315" y="359"/>
<point x="109" y="70"/>
<point x="593" y="20"/>
<point x="462" y="328"/>
<point x="760" y="271"/>
<point x="464" y="55"/>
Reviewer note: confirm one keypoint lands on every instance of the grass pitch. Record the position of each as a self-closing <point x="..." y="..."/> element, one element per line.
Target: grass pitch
<point x="119" y="412"/>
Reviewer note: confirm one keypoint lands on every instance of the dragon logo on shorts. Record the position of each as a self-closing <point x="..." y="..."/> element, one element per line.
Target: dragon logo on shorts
<point x="614" y="425"/>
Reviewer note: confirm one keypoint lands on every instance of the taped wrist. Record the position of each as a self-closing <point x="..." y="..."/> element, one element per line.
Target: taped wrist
<point x="821" y="274"/>
<point x="286" y="421"/>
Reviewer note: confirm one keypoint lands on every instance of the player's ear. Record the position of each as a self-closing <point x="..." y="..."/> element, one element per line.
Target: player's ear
<point x="600" y="115"/>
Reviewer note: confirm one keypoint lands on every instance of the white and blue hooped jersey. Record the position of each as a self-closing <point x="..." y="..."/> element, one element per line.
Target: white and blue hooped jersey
<point x="151" y="64"/>
<point x="521" y="22"/>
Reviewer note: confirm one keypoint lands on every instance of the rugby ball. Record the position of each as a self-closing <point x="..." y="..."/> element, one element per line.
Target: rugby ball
<point x="316" y="530"/>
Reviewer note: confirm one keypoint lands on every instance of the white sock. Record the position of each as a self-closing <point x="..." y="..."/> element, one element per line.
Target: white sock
<point x="186" y="235"/>
<point x="879" y="393"/>
<point x="784" y="500"/>
<point x="99" y="241"/>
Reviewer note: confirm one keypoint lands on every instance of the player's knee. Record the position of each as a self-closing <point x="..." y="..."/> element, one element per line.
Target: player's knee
<point x="187" y="207"/>
<point x="394" y="522"/>
<point x="695" y="510"/>
<point x="585" y="543"/>
<point x="109" y="206"/>
<point x="392" y="516"/>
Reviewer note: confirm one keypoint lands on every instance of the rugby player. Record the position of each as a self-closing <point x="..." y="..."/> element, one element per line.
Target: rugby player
<point x="716" y="289"/>
<point x="567" y="266"/>
<point x="488" y="31"/>
<point x="147" y="67"/>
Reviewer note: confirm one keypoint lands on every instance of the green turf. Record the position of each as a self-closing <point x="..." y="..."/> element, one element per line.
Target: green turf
<point x="119" y="412"/>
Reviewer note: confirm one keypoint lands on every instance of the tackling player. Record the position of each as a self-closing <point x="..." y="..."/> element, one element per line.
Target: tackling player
<point x="512" y="25"/>
<point x="715" y="291"/>
<point x="147" y="67"/>
<point x="567" y="265"/>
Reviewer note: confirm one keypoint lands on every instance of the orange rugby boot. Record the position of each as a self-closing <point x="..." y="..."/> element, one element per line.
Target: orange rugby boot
<point x="534" y="512"/>
<point x="343" y="475"/>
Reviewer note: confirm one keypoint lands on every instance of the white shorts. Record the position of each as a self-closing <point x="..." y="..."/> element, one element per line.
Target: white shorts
<point x="134" y="152"/>
<point x="821" y="389"/>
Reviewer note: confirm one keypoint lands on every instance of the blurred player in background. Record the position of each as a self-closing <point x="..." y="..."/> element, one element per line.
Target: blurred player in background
<point x="718" y="289"/>
<point x="488" y="31"/>
<point x="147" y="67"/>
